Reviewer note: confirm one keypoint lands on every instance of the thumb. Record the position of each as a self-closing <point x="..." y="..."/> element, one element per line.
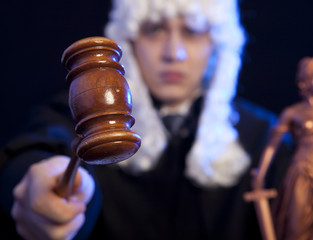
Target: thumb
<point x="83" y="186"/>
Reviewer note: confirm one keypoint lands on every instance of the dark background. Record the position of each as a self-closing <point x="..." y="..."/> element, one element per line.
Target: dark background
<point x="35" y="33"/>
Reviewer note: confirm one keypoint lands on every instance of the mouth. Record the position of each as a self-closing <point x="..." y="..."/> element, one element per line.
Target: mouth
<point x="172" y="76"/>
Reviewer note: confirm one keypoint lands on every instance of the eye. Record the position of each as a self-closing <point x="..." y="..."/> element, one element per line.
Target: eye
<point x="192" y="32"/>
<point x="151" y="29"/>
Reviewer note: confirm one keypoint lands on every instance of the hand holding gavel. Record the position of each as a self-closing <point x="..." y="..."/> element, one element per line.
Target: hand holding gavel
<point x="100" y="102"/>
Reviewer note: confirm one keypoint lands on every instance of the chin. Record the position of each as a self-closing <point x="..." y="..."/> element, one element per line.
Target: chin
<point x="170" y="101"/>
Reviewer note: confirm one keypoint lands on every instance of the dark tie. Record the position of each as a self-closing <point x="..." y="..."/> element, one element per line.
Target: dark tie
<point x="173" y="122"/>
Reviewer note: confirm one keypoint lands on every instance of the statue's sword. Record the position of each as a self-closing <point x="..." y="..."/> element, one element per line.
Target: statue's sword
<point x="260" y="198"/>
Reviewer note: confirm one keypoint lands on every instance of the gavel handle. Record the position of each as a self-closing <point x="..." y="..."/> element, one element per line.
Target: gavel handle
<point x="65" y="186"/>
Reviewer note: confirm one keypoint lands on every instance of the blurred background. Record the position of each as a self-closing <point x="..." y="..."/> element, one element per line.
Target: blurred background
<point x="35" y="33"/>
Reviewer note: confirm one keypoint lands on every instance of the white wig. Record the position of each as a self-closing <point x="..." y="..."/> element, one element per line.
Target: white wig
<point x="216" y="157"/>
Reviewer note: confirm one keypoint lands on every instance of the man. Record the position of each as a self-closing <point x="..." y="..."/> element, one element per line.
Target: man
<point x="181" y="58"/>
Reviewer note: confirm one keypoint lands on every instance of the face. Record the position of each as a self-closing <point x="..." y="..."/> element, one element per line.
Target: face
<point x="305" y="79"/>
<point x="172" y="58"/>
<point x="306" y="87"/>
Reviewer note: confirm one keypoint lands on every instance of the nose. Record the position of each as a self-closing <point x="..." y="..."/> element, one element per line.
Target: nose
<point x="174" y="49"/>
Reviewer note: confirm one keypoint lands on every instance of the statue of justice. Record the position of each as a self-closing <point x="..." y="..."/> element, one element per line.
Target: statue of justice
<point x="292" y="212"/>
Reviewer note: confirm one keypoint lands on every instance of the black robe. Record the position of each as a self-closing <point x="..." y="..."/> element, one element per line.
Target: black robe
<point x="159" y="204"/>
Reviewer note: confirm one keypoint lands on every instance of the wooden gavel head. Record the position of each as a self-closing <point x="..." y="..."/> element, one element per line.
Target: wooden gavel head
<point x="100" y="101"/>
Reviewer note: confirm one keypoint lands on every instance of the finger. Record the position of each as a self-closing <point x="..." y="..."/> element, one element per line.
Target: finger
<point x="48" y="204"/>
<point x="57" y="209"/>
<point x="24" y="227"/>
<point x="33" y="227"/>
<point x="54" y="165"/>
<point x="20" y="189"/>
<point x="25" y="232"/>
<point x="75" y="225"/>
<point x="84" y="186"/>
<point x="65" y="231"/>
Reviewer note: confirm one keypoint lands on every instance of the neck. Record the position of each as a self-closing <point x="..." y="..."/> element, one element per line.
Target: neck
<point x="309" y="100"/>
<point x="181" y="107"/>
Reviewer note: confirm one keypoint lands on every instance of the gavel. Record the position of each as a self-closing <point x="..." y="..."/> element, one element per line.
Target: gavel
<point x="100" y="103"/>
